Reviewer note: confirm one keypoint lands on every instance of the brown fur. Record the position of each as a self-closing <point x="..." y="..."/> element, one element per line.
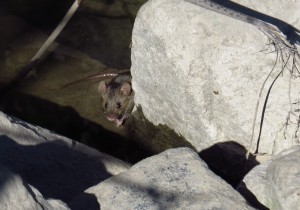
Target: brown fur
<point x="117" y="98"/>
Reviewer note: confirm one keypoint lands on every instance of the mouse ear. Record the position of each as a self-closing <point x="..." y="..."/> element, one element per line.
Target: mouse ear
<point x="102" y="87"/>
<point x="125" y="89"/>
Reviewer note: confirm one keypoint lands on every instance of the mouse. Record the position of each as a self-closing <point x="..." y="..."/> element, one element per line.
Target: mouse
<point x="117" y="98"/>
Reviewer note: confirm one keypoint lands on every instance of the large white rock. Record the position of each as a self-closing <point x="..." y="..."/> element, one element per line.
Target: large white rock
<point x="174" y="179"/>
<point x="276" y="183"/>
<point x="200" y="73"/>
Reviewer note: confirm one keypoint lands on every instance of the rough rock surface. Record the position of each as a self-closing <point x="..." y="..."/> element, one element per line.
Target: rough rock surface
<point x="17" y="194"/>
<point x="57" y="167"/>
<point x="174" y="179"/>
<point x="276" y="183"/>
<point x="200" y="73"/>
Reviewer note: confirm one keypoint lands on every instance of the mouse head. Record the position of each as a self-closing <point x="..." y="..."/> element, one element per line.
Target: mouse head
<point x="117" y="101"/>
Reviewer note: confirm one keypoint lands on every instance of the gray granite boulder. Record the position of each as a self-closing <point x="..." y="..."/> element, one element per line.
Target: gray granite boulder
<point x="174" y="179"/>
<point x="200" y="73"/>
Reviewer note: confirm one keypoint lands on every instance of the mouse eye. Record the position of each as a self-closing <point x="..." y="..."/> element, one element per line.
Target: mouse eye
<point x="105" y="105"/>
<point x="118" y="105"/>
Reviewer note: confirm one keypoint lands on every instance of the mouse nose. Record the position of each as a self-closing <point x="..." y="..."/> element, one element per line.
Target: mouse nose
<point x="111" y="116"/>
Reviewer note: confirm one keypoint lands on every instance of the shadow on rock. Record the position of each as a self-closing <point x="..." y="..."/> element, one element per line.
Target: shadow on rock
<point x="68" y="122"/>
<point x="52" y="167"/>
<point x="85" y="201"/>
<point x="228" y="160"/>
<point x="250" y="197"/>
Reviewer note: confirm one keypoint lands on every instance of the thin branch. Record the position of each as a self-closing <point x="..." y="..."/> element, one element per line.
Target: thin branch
<point x="57" y="30"/>
<point x="264" y="109"/>
<point x="35" y="59"/>
<point x="257" y="105"/>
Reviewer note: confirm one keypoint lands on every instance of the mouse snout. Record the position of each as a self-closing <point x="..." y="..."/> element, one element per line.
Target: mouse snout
<point x="112" y="116"/>
<point x="117" y="119"/>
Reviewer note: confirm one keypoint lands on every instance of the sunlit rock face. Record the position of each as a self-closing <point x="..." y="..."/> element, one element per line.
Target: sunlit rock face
<point x="201" y="73"/>
<point x="174" y="179"/>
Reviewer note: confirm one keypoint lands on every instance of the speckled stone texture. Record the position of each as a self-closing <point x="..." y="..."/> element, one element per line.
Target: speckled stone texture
<point x="174" y="179"/>
<point x="200" y="73"/>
